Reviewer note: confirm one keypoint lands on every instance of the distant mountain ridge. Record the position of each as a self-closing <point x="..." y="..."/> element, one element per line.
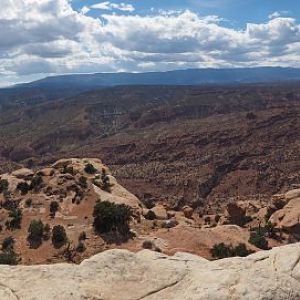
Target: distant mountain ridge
<point x="177" y="77"/>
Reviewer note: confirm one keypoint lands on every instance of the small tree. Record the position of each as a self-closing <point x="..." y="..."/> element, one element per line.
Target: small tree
<point x="54" y="206"/>
<point x="90" y="169"/>
<point x="110" y="216"/>
<point x="35" y="233"/>
<point x="3" y="185"/>
<point x="59" y="236"/>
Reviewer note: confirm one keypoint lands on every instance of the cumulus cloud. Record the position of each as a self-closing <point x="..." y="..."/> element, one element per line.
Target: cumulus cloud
<point x="50" y="37"/>
<point x="110" y="6"/>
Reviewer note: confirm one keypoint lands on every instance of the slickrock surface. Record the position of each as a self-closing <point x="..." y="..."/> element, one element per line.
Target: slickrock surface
<point x="122" y="275"/>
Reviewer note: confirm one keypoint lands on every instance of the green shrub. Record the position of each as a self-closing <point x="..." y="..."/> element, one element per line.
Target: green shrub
<point x="35" y="233"/>
<point x="8" y="244"/>
<point x="80" y="247"/>
<point x="83" y="182"/>
<point x="3" y="185"/>
<point x="16" y="219"/>
<point x="150" y="215"/>
<point x="23" y="187"/>
<point x="90" y="169"/>
<point x="222" y="251"/>
<point x="28" y="202"/>
<point x="82" y="236"/>
<point x="110" y="216"/>
<point x="8" y="258"/>
<point x="54" y="206"/>
<point x="270" y="229"/>
<point x="258" y="239"/>
<point x="59" y="236"/>
<point x="36" y="182"/>
<point x="68" y="170"/>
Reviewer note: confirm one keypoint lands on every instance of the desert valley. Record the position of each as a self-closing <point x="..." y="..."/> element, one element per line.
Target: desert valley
<point x="149" y="150"/>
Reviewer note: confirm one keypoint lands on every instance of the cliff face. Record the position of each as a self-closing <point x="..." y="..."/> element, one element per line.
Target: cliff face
<point x="119" y="274"/>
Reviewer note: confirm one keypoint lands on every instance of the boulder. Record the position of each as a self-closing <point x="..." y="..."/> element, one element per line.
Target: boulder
<point x="120" y="274"/>
<point x="160" y="212"/>
<point x="47" y="172"/>
<point x="188" y="212"/>
<point x="23" y="173"/>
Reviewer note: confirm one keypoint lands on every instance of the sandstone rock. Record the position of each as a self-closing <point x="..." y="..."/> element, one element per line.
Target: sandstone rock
<point x="120" y="274"/>
<point x="292" y="194"/>
<point x="23" y="173"/>
<point x="188" y="212"/>
<point x="171" y="214"/>
<point x="288" y="218"/>
<point x="160" y="212"/>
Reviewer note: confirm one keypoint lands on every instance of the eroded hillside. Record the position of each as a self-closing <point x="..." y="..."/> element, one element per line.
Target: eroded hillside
<point x="177" y="145"/>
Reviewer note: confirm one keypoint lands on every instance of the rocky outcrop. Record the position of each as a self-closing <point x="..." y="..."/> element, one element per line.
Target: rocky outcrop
<point x="288" y="218"/>
<point x="120" y="274"/>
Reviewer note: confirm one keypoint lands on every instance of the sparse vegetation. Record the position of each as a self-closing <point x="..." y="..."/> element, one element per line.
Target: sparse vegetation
<point x="15" y="216"/>
<point x="106" y="185"/>
<point x="83" y="182"/>
<point x="110" y="216"/>
<point x="68" y="170"/>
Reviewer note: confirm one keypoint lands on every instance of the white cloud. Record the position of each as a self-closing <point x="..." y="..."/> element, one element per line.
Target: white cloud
<point x="111" y="6"/>
<point x="49" y="36"/>
<point x="277" y="14"/>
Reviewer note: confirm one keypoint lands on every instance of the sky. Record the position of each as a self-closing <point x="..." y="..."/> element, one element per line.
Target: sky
<point x="39" y="38"/>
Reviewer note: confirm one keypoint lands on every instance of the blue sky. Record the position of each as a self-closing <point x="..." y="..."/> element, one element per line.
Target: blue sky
<point x="39" y="38"/>
<point x="237" y="12"/>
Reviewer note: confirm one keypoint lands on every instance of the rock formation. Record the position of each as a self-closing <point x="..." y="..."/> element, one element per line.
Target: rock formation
<point x="120" y="274"/>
